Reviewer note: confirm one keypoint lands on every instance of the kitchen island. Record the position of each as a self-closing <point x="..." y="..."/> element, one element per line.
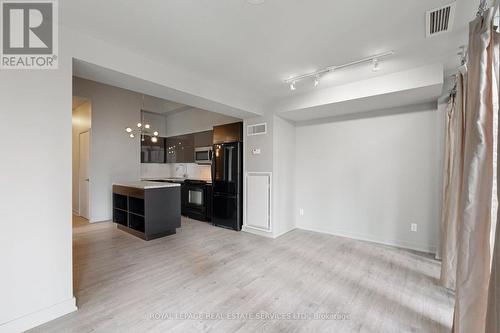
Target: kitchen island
<point x="147" y="209"/>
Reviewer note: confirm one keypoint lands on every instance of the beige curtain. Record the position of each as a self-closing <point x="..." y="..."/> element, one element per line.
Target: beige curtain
<point x="493" y="315"/>
<point x="473" y="256"/>
<point x="452" y="183"/>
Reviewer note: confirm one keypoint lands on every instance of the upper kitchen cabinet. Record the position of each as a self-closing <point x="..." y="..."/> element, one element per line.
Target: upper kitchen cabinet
<point x="153" y="152"/>
<point x="228" y="133"/>
<point x="203" y="139"/>
<point x="180" y="149"/>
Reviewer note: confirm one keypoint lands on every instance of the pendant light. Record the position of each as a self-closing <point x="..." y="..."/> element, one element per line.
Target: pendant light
<point x="142" y="129"/>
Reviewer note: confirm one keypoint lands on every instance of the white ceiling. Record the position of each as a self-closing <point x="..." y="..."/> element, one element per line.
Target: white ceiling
<point x="256" y="47"/>
<point x="159" y="98"/>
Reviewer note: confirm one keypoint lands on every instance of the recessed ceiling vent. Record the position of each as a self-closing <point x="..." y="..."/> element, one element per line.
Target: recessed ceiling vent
<point x="440" y="20"/>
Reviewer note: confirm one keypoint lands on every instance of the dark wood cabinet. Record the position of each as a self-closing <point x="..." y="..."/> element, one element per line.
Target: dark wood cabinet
<point x="170" y="147"/>
<point x="228" y="133"/>
<point x="153" y="152"/>
<point x="180" y="149"/>
<point x="203" y="139"/>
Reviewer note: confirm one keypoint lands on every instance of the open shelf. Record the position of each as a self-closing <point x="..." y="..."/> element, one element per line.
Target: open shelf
<point x="120" y="201"/>
<point x="136" y="206"/>
<point x="158" y="217"/>
<point x="120" y="216"/>
<point x="136" y="222"/>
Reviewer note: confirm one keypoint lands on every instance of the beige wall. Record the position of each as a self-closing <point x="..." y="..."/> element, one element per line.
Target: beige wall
<point x="81" y="123"/>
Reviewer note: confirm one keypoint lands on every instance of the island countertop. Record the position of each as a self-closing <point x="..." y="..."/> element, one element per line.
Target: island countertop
<point x="146" y="185"/>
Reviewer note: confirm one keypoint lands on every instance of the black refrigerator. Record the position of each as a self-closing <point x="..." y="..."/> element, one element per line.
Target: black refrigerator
<point x="227" y="178"/>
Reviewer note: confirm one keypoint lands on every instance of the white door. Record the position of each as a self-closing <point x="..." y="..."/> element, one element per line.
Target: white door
<point x="83" y="175"/>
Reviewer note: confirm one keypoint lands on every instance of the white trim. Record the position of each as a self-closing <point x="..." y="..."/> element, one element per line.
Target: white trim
<point x="270" y="213"/>
<point x="400" y="244"/>
<point x="264" y="233"/>
<point x="101" y="219"/>
<point x="39" y="317"/>
<point x="258" y="232"/>
<point x="284" y="232"/>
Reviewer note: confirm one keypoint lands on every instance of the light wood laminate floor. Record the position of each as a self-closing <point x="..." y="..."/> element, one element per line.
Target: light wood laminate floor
<point x="121" y="281"/>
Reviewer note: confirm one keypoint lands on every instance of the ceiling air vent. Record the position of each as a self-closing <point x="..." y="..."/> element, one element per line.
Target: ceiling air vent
<point x="257" y="129"/>
<point x="440" y="20"/>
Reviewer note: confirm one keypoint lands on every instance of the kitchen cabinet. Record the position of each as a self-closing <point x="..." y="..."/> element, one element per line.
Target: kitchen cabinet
<point x="152" y="152"/>
<point x="228" y="133"/>
<point x="203" y="139"/>
<point x="145" y="212"/>
<point x="180" y="149"/>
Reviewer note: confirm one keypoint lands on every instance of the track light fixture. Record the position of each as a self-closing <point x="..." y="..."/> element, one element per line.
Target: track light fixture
<point x="375" y="59"/>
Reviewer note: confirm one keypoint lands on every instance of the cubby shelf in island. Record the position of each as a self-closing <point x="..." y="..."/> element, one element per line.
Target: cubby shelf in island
<point x="147" y="210"/>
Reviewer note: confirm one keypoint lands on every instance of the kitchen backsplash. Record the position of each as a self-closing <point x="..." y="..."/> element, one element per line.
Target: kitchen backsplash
<point x="168" y="170"/>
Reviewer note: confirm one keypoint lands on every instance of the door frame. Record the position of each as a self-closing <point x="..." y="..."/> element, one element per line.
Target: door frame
<point x="88" y="166"/>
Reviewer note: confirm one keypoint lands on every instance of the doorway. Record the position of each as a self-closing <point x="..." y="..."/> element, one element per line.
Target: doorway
<point x="83" y="175"/>
<point x="81" y="119"/>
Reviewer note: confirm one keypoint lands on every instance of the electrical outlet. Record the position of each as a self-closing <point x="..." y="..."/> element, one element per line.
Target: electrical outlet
<point x="301" y="212"/>
<point x="413" y="227"/>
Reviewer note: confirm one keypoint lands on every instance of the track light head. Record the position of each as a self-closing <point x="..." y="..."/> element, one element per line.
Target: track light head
<point x="292" y="86"/>
<point x="316" y="81"/>
<point x="376" y="66"/>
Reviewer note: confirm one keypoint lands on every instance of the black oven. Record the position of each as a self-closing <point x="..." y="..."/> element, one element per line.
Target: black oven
<point x="196" y="199"/>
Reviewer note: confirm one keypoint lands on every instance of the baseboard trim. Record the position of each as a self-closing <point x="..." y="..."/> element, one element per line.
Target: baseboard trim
<point x="283" y="233"/>
<point x="39" y="317"/>
<point x="399" y="244"/>
<point x="268" y="234"/>
<point x="258" y="232"/>
<point x="101" y="219"/>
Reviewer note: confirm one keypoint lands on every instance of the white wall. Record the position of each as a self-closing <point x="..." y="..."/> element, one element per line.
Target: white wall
<point x="81" y="123"/>
<point x="264" y="161"/>
<point x="370" y="178"/>
<point x="35" y="196"/>
<point x="284" y="176"/>
<point x="113" y="155"/>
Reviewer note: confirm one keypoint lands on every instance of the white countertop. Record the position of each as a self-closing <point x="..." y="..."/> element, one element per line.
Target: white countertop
<point x="173" y="179"/>
<point x="145" y="185"/>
